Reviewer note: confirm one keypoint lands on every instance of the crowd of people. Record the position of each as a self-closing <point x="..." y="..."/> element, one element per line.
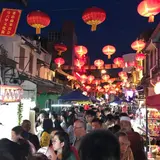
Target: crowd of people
<point x="75" y="134"/>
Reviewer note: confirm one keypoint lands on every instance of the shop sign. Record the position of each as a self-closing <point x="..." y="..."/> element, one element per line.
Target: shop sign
<point x="9" y="21"/>
<point x="10" y="93"/>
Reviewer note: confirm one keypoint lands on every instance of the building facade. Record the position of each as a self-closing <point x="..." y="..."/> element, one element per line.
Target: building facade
<point x="151" y="65"/>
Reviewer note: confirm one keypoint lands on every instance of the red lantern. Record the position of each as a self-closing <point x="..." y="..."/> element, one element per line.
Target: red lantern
<point x="80" y="51"/>
<point x="88" y="88"/>
<point x="118" y="61"/>
<point x="90" y="78"/>
<point x="60" y="48"/>
<point x="38" y="20"/>
<point x="79" y="63"/>
<point x="109" y="50"/>
<point x="99" y="63"/>
<point x="96" y="82"/>
<point x="111" y="80"/>
<point x="139" y="68"/>
<point x="105" y="77"/>
<point x="140" y="57"/>
<point x="122" y="74"/>
<point x="59" y="61"/>
<point x="83" y="77"/>
<point x="149" y="8"/>
<point x="138" y="45"/>
<point x="94" y="16"/>
<point x="132" y="64"/>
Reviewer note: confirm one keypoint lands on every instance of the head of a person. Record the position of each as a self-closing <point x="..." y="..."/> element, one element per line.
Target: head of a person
<point x="116" y="120"/>
<point x="54" y="131"/>
<point x="107" y="111"/>
<point x="96" y="124"/>
<point x="38" y="156"/>
<point x="90" y="115"/>
<point x="61" y="144"/>
<point x="123" y="141"/>
<point x="16" y="133"/>
<point x="63" y="117"/>
<point x="109" y="119"/>
<point x="47" y="125"/>
<point x="99" y="145"/>
<point x="125" y="124"/>
<point x="43" y="115"/>
<point x="79" y="128"/>
<point x="53" y="116"/>
<point x="26" y="125"/>
<point x="70" y="120"/>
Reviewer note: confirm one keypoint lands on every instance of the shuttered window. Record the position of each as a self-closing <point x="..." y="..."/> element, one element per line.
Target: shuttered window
<point x="21" y="58"/>
<point x="31" y="63"/>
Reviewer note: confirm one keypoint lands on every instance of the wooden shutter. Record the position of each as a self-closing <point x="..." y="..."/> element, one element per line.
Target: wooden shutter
<point x="21" y="58"/>
<point x="31" y="63"/>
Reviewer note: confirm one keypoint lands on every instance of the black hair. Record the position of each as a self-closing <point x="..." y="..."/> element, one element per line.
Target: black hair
<point x="66" y="150"/>
<point x="99" y="145"/>
<point x="109" y="117"/>
<point x="116" y="118"/>
<point x="97" y="120"/>
<point x="120" y="134"/>
<point x="38" y="156"/>
<point x="47" y="125"/>
<point x="91" y="112"/>
<point x="70" y="120"/>
<point x="18" y="130"/>
<point x="123" y="115"/>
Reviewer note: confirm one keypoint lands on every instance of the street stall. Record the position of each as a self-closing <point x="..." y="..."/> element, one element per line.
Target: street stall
<point x="153" y="125"/>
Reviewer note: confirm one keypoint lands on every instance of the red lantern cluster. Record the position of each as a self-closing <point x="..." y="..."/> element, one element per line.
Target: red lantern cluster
<point x="94" y="16"/>
<point x="38" y="20"/>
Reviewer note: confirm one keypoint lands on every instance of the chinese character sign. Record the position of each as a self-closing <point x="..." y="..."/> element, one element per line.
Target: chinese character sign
<point x="9" y="21"/>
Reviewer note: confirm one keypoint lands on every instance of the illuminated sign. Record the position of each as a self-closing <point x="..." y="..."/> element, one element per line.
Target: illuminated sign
<point x="10" y="93"/>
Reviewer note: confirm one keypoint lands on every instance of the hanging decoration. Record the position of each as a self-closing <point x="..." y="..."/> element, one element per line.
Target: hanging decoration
<point x="105" y="77"/>
<point x="138" y="45"/>
<point x="60" y="48"/>
<point x="38" y="20"/>
<point x="80" y="51"/>
<point x="99" y="63"/>
<point x="90" y="78"/>
<point x="149" y="8"/>
<point x="94" y="16"/>
<point x="19" y="113"/>
<point x="79" y="63"/>
<point x="109" y="50"/>
<point x="59" y="61"/>
<point x="119" y="61"/>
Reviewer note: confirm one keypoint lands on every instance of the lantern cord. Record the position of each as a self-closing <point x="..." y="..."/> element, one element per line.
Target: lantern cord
<point x="94" y="27"/>
<point x="151" y="19"/>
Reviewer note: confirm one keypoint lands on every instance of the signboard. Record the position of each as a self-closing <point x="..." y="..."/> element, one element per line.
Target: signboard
<point x="9" y="21"/>
<point x="10" y="93"/>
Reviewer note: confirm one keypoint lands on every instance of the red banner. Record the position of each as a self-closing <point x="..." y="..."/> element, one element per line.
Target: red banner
<point x="9" y="21"/>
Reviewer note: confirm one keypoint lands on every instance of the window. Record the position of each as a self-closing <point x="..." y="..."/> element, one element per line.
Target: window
<point x="31" y="63"/>
<point x="21" y="58"/>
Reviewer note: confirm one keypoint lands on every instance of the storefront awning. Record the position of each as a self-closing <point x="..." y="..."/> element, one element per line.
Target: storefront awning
<point x="153" y="101"/>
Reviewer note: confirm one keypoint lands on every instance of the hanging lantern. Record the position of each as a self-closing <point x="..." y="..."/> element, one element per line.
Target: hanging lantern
<point x="96" y="82"/>
<point x="118" y="61"/>
<point x="77" y="86"/>
<point x="109" y="50"/>
<point x="149" y="8"/>
<point x="111" y="80"/>
<point x="105" y="77"/>
<point x="139" y="68"/>
<point x="106" y="86"/>
<point x="132" y="64"/>
<point x="59" y="61"/>
<point x="79" y="63"/>
<point x="94" y="16"/>
<point x="157" y="88"/>
<point x="122" y="74"/>
<point x="38" y="20"/>
<point x="99" y="63"/>
<point x="83" y="77"/>
<point x="80" y="51"/>
<point x="60" y="48"/>
<point x="138" y="45"/>
<point x="90" y="78"/>
<point x="140" y="57"/>
<point x="88" y="88"/>
<point x="98" y="87"/>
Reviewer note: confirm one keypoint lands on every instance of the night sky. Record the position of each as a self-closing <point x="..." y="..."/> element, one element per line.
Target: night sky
<point x="122" y="26"/>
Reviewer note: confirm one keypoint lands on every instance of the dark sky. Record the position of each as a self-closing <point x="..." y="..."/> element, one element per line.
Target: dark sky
<point x="122" y="26"/>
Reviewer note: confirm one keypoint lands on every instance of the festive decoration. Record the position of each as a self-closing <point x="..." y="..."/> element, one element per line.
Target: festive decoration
<point x="109" y="50"/>
<point x="38" y="20"/>
<point x="157" y="88"/>
<point x="79" y="63"/>
<point x="119" y="61"/>
<point x="88" y="88"/>
<point x="138" y="45"/>
<point x="96" y="82"/>
<point x="99" y="63"/>
<point x="94" y="16"/>
<point x="105" y="77"/>
<point x="139" y="68"/>
<point x="122" y="74"/>
<point x="19" y="113"/>
<point x="80" y="51"/>
<point x="149" y="8"/>
<point x="59" y="61"/>
<point x="140" y="57"/>
<point x="90" y="78"/>
<point x="60" y="48"/>
<point x="9" y="21"/>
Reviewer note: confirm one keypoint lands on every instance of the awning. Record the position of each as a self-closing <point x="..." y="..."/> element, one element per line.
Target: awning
<point x="153" y="101"/>
<point x="74" y="96"/>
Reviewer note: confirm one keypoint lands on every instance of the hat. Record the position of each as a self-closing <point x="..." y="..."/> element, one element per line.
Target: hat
<point x="125" y="118"/>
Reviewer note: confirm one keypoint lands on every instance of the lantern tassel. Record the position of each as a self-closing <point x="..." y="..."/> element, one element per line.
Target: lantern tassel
<point x="94" y="27"/>
<point x="151" y="19"/>
<point x="109" y="56"/>
<point x="38" y="30"/>
<point x="60" y="53"/>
